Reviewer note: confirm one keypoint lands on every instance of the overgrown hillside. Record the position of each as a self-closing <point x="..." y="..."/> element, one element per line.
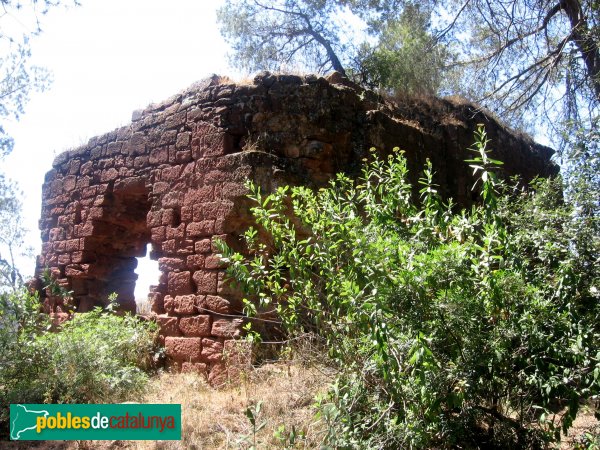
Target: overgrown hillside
<point x="438" y="327"/>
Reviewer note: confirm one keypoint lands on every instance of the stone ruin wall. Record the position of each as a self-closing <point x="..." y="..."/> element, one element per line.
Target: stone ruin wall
<point x="175" y="178"/>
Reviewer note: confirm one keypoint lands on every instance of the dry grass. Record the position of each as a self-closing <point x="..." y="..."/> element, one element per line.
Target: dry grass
<point x="215" y="419"/>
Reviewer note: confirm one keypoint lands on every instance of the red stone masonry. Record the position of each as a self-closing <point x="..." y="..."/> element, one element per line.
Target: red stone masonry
<point x="176" y="178"/>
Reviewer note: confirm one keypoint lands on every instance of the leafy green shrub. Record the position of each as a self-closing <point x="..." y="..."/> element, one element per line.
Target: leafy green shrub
<point x="449" y="327"/>
<point x="95" y="357"/>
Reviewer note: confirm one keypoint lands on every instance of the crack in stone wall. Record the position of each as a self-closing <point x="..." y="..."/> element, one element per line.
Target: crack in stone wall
<point x="175" y="177"/>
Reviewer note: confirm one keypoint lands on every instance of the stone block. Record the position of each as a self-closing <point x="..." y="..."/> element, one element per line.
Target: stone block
<point x="206" y="281"/>
<point x="57" y="234"/>
<point x="131" y="186"/>
<point x="169" y="305"/>
<point x="195" y="262"/>
<point x="74" y="270"/>
<point x="185" y="304"/>
<point x="196" y="326"/>
<point x="171" y="174"/>
<point x="136" y="145"/>
<point x="82" y="257"/>
<point x="89" y="192"/>
<point x="172" y="199"/>
<point x="69" y="183"/>
<point x="215" y="304"/>
<point x="176" y="120"/>
<point x="154" y="218"/>
<point x="186" y="247"/>
<point x="212" y="350"/>
<point x="187" y="214"/>
<point x="59" y="246"/>
<point x="171" y="264"/>
<point x="140" y="162"/>
<point x="232" y="190"/>
<point x="183" y="156"/>
<point x="64" y="259"/>
<point x="169" y="247"/>
<point x="167" y="325"/>
<point x="194" y="114"/>
<point x="217" y="177"/>
<point x="198" y="196"/>
<point x="159" y="156"/>
<point x="82" y="230"/>
<point x="183" y="140"/>
<point x="109" y="175"/>
<point x="180" y="283"/>
<point x="213" y="262"/>
<point x="209" y="210"/>
<point x="183" y="349"/>
<point x="200" y="229"/>
<point x="213" y="145"/>
<point x="158" y="234"/>
<point x="227" y="328"/>
<point x="157" y="302"/>
<point x="203" y="246"/>
<point x="66" y="220"/>
<point x="169" y="217"/>
<point x="167" y="138"/>
<point x="82" y="183"/>
<point x="160" y="187"/>
<point x="72" y="245"/>
<point x="175" y="232"/>
<point x="217" y="376"/>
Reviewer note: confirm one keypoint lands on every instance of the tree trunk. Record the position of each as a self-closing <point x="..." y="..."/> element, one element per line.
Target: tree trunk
<point x="587" y="47"/>
<point x="335" y="62"/>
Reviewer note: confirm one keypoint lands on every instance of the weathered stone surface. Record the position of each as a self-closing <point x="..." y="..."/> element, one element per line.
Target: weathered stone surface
<point x="227" y="328"/>
<point x="212" y="350"/>
<point x="215" y="304"/>
<point x="183" y="349"/>
<point x="175" y="177"/>
<point x="196" y="326"/>
<point x="203" y="246"/>
<point x="184" y="304"/>
<point x="206" y="281"/>
<point x="218" y="374"/>
<point x="180" y="283"/>
<point x="167" y="325"/>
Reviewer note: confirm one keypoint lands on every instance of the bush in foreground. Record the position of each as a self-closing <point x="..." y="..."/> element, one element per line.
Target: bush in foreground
<point x="96" y="357"/>
<point x="476" y="327"/>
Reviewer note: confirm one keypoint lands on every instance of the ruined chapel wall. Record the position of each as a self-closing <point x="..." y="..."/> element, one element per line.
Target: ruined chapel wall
<point x="175" y="177"/>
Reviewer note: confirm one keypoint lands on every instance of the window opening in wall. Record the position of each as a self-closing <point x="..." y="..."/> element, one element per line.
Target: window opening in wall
<point x="148" y="275"/>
